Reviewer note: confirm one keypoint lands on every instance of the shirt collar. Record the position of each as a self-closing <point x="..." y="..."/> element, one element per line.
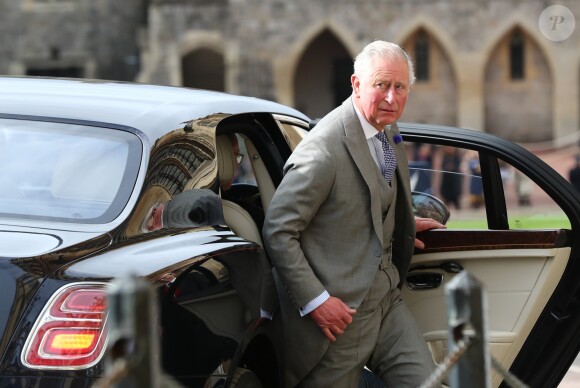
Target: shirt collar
<point x="369" y="131"/>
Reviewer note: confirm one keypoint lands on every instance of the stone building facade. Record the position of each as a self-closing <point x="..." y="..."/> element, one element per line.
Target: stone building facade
<point x="71" y="38"/>
<point x="483" y="64"/>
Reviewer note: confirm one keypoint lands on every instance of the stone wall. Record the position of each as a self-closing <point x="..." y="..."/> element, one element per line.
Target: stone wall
<point x="263" y="43"/>
<point x="98" y="37"/>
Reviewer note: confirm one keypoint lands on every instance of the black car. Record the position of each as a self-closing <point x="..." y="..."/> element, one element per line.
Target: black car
<point x="102" y="180"/>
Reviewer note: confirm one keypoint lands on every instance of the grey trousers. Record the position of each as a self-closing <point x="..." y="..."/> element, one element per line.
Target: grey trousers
<point x="383" y="336"/>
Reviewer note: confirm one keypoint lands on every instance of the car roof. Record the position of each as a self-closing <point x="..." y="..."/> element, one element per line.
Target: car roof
<point x="140" y="106"/>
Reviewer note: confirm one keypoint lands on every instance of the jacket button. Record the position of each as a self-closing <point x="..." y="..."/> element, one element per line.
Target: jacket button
<point x="378" y="252"/>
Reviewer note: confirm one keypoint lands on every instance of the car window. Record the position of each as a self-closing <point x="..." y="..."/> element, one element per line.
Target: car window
<point x="528" y="206"/>
<point x="451" y="174"/>
<point x="65" y="172"/>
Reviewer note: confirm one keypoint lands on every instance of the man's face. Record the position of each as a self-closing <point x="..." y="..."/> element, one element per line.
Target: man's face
<point x="381" y="93"/>
<point x="155" y="219"/>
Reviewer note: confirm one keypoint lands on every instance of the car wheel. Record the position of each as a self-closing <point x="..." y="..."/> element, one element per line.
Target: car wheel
<point x="245" y="378"/>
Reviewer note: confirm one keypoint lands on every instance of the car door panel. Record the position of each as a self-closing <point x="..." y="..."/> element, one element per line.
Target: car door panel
<point x="519" y="271"/>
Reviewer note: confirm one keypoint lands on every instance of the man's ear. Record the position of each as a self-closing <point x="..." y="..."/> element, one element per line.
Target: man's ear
<point x="355" y="82"/>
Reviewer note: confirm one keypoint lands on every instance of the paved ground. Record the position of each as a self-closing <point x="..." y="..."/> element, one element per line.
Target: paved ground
<point x="561" y="160"/>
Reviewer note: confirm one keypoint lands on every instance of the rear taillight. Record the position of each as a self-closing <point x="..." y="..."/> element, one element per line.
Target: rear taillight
<point x="70" y="333"/>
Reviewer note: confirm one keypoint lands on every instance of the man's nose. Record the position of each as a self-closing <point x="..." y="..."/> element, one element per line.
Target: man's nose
<point x="390" y="95"/>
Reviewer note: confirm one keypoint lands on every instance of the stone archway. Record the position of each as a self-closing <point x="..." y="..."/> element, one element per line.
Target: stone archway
<point x="322" y="75"/>
<point x="203" y="68"/>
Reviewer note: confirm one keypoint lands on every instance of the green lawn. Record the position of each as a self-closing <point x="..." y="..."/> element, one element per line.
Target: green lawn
<point x="539" y="221"/>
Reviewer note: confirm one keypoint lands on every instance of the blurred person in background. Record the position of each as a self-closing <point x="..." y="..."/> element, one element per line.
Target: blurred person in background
<point x="574" y="174"/>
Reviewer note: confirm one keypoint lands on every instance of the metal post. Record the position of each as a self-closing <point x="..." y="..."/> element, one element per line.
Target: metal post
<point x="133" y="348"/>
<point x="467" y="321"/>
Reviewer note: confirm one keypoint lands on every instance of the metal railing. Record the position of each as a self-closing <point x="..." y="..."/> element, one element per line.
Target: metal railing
<point x="469" y="359"/>
<point x="132" y="358"/>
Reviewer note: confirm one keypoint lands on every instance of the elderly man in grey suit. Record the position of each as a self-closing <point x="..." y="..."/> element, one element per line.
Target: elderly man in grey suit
<point x="340" y="233"/>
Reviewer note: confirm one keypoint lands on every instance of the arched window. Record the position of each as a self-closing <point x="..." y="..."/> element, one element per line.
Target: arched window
<point x="517" y="56"/>
<point x="422" y="56"/>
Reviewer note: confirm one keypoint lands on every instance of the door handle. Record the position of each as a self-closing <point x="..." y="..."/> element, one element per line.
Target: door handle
<point x="424" y="280"/>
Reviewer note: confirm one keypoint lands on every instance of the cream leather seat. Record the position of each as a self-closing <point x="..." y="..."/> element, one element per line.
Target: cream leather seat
<point x="236" y="217"/>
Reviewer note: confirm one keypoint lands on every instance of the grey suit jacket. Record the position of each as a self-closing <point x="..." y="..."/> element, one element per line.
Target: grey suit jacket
<point x="324" y="229"/>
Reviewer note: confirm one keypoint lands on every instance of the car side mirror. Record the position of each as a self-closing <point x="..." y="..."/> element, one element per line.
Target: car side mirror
<point x="429" y="206"/>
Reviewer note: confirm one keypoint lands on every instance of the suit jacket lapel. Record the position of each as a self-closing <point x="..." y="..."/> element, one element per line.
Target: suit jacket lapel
<point x="402" y="171"/>
<point x="358" y="148"/>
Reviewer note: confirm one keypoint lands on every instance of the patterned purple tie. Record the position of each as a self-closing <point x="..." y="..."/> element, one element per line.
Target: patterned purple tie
<point x="389" y="155"/>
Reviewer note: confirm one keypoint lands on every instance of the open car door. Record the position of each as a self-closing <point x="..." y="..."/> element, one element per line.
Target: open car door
<point x="514" y="227"/>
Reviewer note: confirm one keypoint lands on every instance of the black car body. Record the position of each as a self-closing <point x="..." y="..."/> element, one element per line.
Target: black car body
<point x="86" y="162"/>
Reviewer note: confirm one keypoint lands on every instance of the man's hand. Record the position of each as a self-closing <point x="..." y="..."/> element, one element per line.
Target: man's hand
<point x="332" y="317"/>
<point x="423" y="224"/>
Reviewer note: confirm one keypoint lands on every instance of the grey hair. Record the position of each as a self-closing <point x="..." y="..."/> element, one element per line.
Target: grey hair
<point x="382" y="49"/>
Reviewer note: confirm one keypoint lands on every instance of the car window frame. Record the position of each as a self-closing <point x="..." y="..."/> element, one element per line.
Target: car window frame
<point x="293" y="129"/>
